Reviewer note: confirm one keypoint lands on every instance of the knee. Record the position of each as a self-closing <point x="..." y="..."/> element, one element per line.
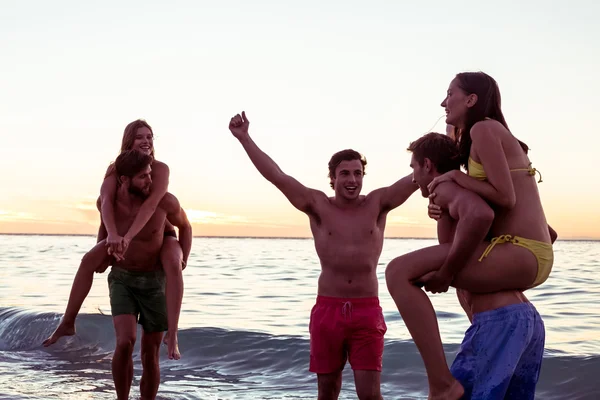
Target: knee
<point x="393" y="271"/>
<point x="92" y="260"/>
<point x="125" y="343"/>
<point x="172" y="259"/>
<point x="149" y="357"/>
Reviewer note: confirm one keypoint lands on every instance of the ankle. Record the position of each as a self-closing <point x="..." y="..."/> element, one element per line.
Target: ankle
<point x="442" y="383"/>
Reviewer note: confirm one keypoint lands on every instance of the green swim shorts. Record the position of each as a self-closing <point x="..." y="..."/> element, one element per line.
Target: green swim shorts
<point x="141" y="294"/>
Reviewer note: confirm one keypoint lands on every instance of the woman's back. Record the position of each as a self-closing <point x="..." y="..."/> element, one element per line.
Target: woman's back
<point x="526" y="218"/>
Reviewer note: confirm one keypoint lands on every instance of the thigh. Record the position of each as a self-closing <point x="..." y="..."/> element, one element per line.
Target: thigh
<point x="527" y="372"/>
<point x="96" y="258"/>
<point x="327" y="337"/>
<point x="171" y="256"/>
<point x="366" y="341"/>
<point x="464" y="366"/>
<point x="414" y="265"/>
<point x="125" y="328"/>
<point x="122" y="301"/>
<point x="499" y="347"/>
<point x="153" y="308"/>
<point x="506" y="267"/>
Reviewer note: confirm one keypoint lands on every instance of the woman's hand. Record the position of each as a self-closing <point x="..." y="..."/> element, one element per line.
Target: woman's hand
<point x="447" y="177"/>
<point x="433" y="210"/>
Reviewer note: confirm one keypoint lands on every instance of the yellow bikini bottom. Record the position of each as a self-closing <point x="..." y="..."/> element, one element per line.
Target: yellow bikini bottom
<point x="541" y="250"/>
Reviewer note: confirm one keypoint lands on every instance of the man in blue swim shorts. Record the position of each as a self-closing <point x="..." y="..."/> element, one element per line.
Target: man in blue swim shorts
<point x="501" y="354"/>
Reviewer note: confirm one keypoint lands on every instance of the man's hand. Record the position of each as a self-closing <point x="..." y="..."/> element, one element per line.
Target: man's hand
<point x="438" y="282"/>
<point x="114" y="247"/>
<point x="125" y="243"/>
<point x="239" y="125"/>
<point x="433" y="210"/>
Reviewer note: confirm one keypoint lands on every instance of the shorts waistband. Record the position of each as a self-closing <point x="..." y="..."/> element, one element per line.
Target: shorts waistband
<point x="502" y="312"/>
<point x="122" y="271"/>
<point x="355" y="301"/>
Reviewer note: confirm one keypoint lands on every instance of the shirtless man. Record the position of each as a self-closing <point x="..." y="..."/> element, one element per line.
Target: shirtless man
<point x="348" y="229"/>
<point x="501" y="354"/>
<point x="137" y="282"/>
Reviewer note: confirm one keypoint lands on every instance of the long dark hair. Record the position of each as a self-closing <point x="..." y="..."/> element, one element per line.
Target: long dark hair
<point x="128" y="139"/>
<point x="488" y="105"/>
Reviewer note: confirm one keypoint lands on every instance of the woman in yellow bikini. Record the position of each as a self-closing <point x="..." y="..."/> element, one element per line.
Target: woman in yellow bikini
<point x="519" y="255"/>
<point x="137" y="135"/>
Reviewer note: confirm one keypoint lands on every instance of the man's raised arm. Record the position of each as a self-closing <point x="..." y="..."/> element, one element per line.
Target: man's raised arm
<point x="395" y="195"/>
<point x="299" y="195"/>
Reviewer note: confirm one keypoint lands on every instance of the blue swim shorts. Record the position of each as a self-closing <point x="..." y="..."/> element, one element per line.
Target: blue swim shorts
<point x="501" y="354"/>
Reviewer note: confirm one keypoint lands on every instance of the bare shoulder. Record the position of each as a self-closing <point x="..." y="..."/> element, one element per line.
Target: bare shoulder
<point x="375" y="194"/>
<point x="110" y="170"/>
<point x="319" y="196"/>
<point x="450" y="192"/>
<point x="169" y="203"/>
<point x="319" y="199"/>
<point x="373" y="198"/>
<point x="160" y="166"/>
<point x="487" y="130"/>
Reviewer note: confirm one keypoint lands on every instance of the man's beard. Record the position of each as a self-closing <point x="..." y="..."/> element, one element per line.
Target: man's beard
<point x="137" y="192"/>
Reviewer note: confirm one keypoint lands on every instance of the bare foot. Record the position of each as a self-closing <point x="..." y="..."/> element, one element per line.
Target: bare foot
<point x="454" y="392"/>
<point x="172" y="346"/>
<point x="64" y="329"/>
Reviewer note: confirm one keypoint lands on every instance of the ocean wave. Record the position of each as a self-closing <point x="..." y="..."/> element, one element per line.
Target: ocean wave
<point x="244" y="364"/>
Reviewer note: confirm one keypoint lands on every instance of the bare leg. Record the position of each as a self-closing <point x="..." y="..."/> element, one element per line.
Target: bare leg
<point x="150" y="367"/>
<point x="499" y="271"/>
<point x="368" y="385"/>
<point x="122" y="362"/>
<point x="329" y="385"/>
<point x="95" y="259"/>
<point x="171" y="257"/>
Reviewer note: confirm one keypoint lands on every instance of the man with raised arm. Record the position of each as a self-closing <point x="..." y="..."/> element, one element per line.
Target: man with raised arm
<point x="348" y="229"/>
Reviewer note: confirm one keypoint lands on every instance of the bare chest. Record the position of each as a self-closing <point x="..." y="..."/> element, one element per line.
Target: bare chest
<point x="352" y="226"/>
<point x="125" y="216"/>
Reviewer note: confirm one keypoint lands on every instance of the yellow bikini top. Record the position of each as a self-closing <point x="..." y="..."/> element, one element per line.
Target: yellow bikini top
<point x="476" y="170"/>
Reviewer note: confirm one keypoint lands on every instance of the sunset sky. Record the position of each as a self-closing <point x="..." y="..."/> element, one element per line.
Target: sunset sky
<point x="314" y="77"/>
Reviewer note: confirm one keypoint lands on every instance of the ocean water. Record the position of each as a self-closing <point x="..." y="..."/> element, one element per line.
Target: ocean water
<point x="244" y="324"/>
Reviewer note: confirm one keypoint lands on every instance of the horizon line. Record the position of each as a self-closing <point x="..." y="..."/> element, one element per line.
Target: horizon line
<point x="568" y="239"/>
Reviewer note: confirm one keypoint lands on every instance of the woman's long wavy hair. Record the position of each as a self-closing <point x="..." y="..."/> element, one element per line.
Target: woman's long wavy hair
<point x="488" y="105"/>
<point x="129" y="138"/>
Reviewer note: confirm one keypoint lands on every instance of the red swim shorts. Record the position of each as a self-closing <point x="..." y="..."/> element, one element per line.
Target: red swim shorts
<point x="342" y="329"/>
